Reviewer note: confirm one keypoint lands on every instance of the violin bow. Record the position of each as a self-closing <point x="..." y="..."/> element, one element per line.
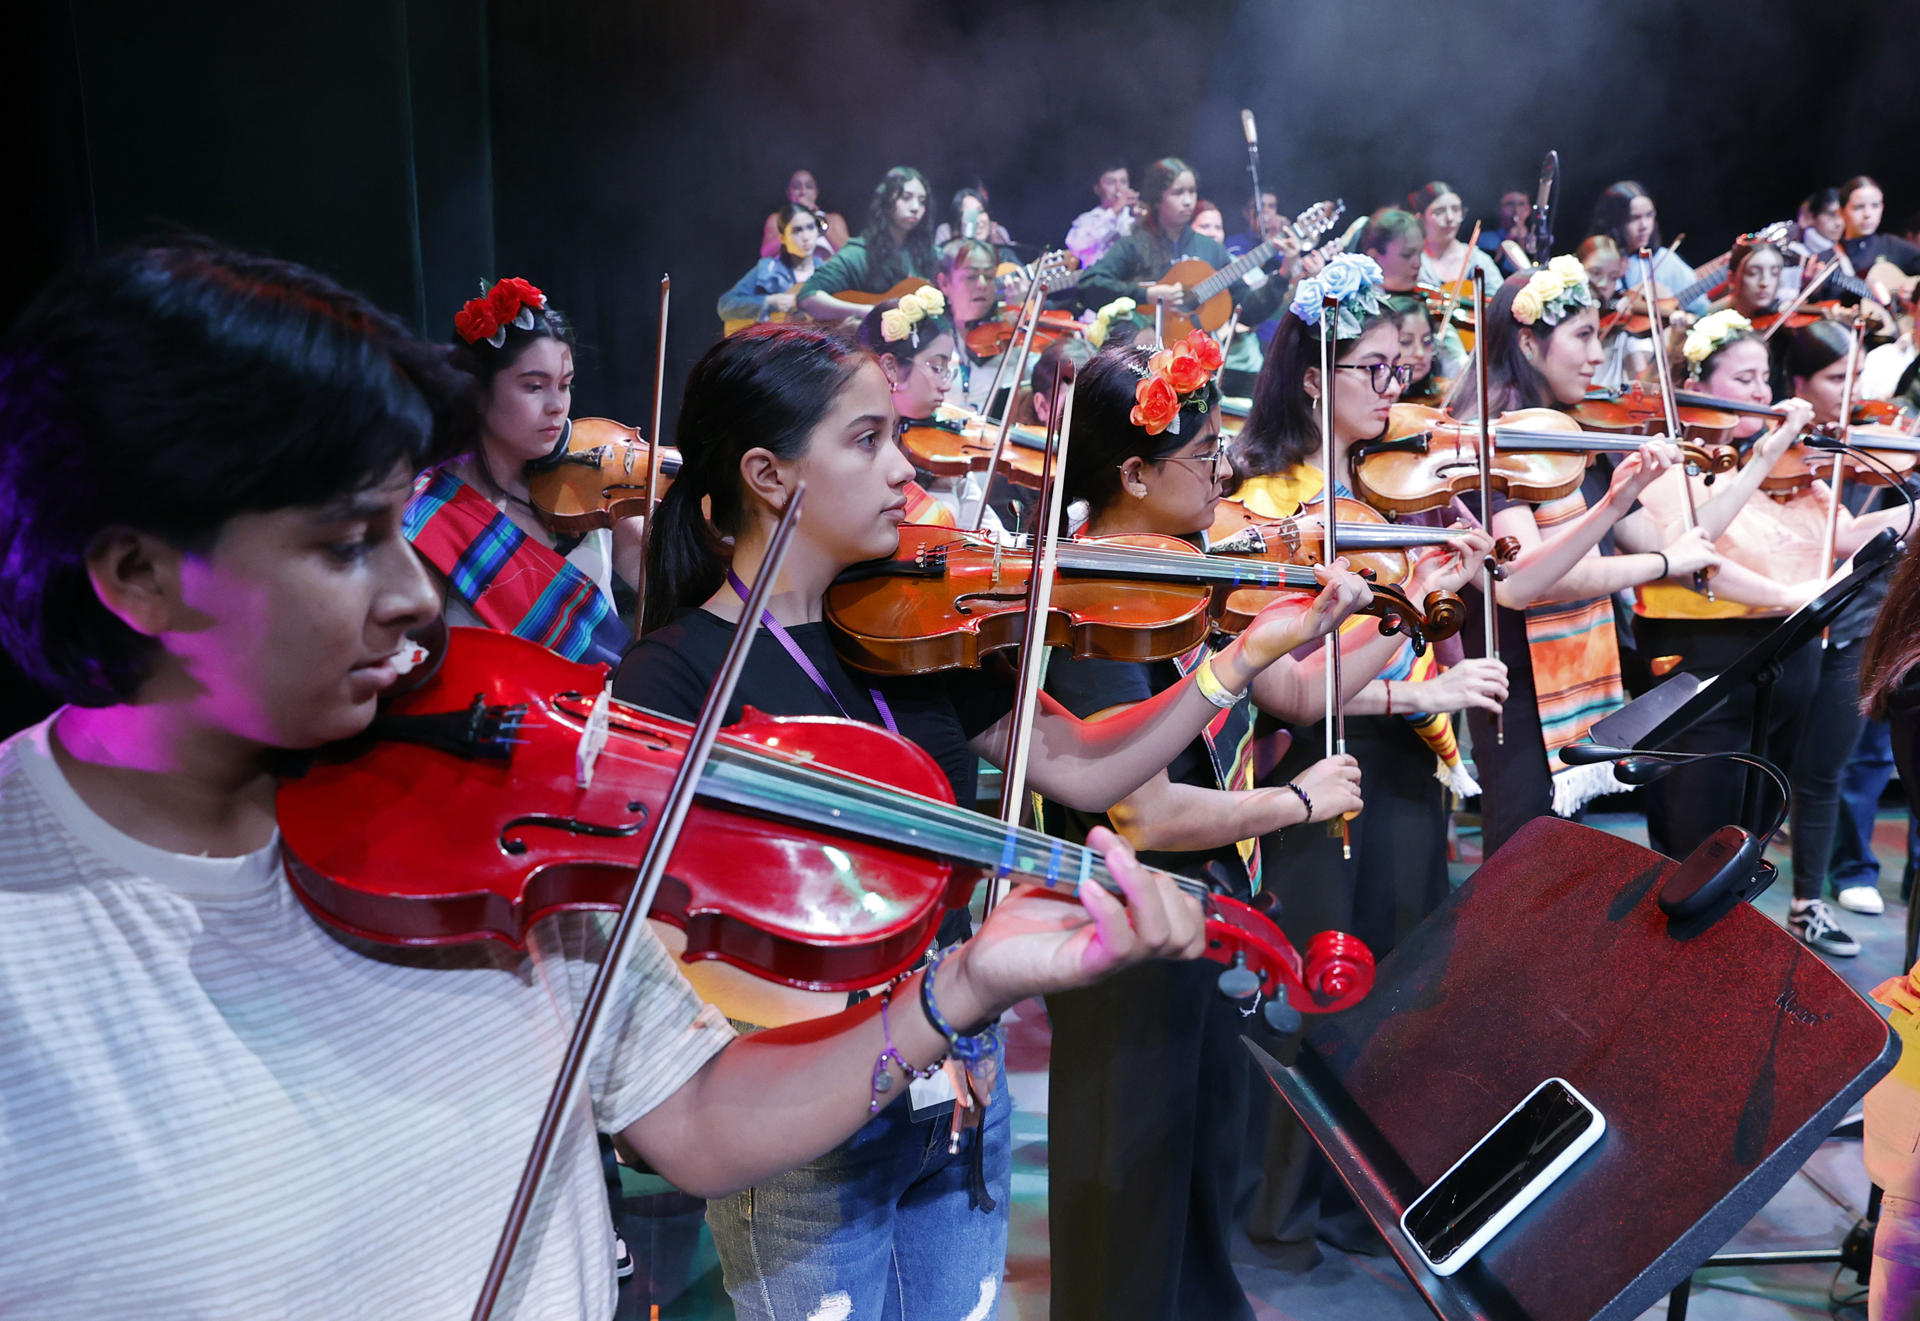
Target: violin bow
<point x="1663" y="372"/>
<point x="1457" y="287"/>
<point x="1486" y="472"/>
<point x="1807" y="290"/>
<point x="1839" y="458"/>
<point x="1033" y="304"/>
<point x="653" y="456"/>
<point x="1330" y="535"/>
<point x="565" y="1095"/>
<point x="1033" y="645"/>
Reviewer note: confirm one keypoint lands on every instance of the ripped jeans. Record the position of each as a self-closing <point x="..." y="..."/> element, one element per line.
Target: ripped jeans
<point x="885" y="1226"/>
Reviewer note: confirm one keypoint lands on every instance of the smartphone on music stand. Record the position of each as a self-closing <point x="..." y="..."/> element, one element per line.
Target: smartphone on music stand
<point x="1501" y="1175"/>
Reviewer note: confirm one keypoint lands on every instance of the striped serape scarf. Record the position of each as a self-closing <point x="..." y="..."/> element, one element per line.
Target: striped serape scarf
<point x="511" y="580"/>
<point x="1576" y="674"/>
<point x="1281" y="495"/>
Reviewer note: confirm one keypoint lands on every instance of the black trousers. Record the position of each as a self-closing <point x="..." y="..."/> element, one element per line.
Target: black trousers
<point x="1692" y="802"/>
<point x="1146" y="1117"/>
<point x="1827" y="739"/>
<point x="1396" y="877"/>
<point x="1516" y="784"/>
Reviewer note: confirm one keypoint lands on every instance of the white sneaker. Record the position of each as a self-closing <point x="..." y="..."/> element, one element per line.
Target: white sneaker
<point x="1862" y="899"/>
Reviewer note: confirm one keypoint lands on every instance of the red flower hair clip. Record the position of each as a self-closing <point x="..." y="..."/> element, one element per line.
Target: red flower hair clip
<point x="1175" y="378"/>
<point x="508" y="303"/>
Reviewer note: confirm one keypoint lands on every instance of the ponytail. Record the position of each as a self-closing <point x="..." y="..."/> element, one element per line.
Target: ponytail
<point x="766" y="387"/>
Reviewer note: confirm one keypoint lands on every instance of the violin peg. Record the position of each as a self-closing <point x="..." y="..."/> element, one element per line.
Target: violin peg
<point x="1282" y="1017"/>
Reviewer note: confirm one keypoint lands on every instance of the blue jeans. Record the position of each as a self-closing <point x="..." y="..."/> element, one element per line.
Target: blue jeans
<point x="1866" y="777"/>
<point x="883" y="1226"/>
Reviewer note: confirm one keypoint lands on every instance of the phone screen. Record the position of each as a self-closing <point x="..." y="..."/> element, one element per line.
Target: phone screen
<point x="1495" y="1172"/>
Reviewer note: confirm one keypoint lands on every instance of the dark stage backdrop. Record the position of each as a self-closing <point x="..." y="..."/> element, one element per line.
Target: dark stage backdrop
<point x="413" y="147"/>
<point x="632" y="139"/>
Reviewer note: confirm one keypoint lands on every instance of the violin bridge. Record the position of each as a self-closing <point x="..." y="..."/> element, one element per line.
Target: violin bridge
<point x="593" y="740"/>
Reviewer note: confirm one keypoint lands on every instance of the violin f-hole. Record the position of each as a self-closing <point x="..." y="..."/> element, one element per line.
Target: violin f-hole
<point x="570" y="825"/>
<point x="963" y="602"/>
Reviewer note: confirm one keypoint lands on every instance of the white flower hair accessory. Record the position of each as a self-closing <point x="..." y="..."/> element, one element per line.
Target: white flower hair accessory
<point x="1352" y="279"/>
<point x="1710" y="332"/>
<point x="1552" y="292"/>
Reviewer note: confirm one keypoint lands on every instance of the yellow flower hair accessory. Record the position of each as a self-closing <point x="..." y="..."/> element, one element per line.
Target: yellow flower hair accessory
<point x="925" y="301"/>
<point x="1552" y="292"/>
<point x="1103" y="320"/>
<point x="1710" y="332"/>
<point x="894" y="325"/>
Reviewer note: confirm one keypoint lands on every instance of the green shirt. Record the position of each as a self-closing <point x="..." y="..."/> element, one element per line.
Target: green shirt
<point x="1143" y="257"/>
<point x="852" y="268"/>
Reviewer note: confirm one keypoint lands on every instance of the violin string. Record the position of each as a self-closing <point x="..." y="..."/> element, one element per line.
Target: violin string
<point x="986" y="842"/>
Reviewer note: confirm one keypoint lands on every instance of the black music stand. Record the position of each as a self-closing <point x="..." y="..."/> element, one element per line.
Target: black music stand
<point x="1662" y="713"/>
<point x="1721" y="1058"/>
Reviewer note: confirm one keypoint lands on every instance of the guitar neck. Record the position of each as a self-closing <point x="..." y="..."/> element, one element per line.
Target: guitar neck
<point x="1249" y="260"/>
<point x="1710" y="276"/>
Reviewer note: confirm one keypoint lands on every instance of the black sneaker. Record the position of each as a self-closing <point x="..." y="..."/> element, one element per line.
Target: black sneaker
<point x="1814" y="927"/>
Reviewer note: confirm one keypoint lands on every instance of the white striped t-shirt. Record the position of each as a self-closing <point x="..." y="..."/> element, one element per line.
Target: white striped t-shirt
<point x="211" y="1107"/>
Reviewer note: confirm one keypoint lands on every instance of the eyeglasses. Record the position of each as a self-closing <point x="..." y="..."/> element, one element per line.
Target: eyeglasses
<point x="1379" y="373"/>
<point x="1212" y="458"/>
<point x="941" y="369"/>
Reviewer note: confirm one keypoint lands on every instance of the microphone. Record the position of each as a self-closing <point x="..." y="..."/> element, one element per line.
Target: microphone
<point x="1246" y="126"/>
<point x="1727" y="867"/>
<point x="1540" y="227"/>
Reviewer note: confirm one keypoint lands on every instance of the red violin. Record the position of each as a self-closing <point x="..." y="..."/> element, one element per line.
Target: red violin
<point x="820" y="853"/>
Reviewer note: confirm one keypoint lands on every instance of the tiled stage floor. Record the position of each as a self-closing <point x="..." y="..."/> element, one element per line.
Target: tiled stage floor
<point x="1815" y="1209"/>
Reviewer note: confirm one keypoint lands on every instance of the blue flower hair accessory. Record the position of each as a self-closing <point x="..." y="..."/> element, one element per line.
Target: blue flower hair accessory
<point x="1352" y="279"/>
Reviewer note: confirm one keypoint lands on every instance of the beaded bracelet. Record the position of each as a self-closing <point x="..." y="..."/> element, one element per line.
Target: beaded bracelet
<point x="1305" y="801"/>
<point x="882" y="1080"/>
<point x="967" y="1050"/>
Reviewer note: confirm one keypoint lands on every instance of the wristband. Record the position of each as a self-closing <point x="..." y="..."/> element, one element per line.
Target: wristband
<point x="969" y="1049"/>
<point x="1305" y="801"/>
<point x="1212" y="689"/>
<point x="1666" y="569"/>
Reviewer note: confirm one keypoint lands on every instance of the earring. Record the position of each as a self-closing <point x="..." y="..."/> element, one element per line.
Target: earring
<point x="1138" y="490"/>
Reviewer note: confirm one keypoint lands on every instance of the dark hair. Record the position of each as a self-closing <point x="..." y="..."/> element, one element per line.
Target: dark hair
<point x="918" y="244"/>
<point x="482" y="362"/>
<point x="788" y="211"/>
<point x="1104" y="435"/>
<point x="1160" y="177"/>
<point x="1108" y="164"/>
<point x="956" y="209"/>
<point x="1744" y="252"/>
<point x="1282" y="426"/>
<point x="1821" y="200"/>
<point x="1855" y="184"/>
<point x="1426" y="194"/>
<point x="1060" y="360"/>
<point x="765" y="387"/>
<point x="1699" y="371"/>
<point x="168" y="388"/>
<point x="873" y="339"/>
<point x="1390" y="225"/>
<point x="1403" y="306"/>
<point x="1512" y="381"/>
<point x="1610" y="213"/>
<point x="1246" y="207"/>
<point x="1815" y="347"/>
<point x="1893" y="647"/>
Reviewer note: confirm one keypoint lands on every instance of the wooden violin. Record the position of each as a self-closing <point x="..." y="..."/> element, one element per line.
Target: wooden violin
<point x="990" y="338"/>
<point x="819" y="853"/>
<point x="946" y="599"/>
<point x="1426" y="457"/>
<point x="1638" y="412"/>
<point x="597" y="478"/>
<point x="954" y="443"/>
<point x="1802" y="464"/>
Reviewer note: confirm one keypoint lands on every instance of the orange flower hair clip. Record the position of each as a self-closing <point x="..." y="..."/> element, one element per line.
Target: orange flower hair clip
<point x="1176" y="378"/>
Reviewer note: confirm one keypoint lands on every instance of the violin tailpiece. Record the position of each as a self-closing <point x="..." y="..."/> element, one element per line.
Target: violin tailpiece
<point x="478" y="733"/>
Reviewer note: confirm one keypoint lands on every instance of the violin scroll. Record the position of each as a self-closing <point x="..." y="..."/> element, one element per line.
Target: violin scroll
<point x="1446" y="613"/>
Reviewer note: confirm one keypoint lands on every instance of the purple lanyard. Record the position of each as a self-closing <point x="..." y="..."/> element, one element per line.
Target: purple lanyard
<point x="805" y="662"/>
